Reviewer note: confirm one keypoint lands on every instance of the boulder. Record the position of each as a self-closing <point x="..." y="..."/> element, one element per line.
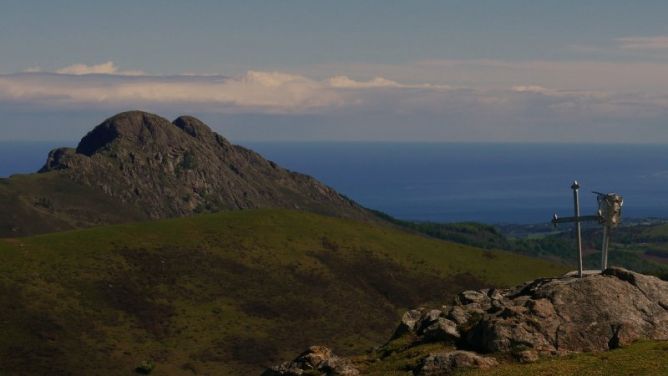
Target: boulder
<point x="430" y="324"/>
<point x="527" y="356"/>
<point x="318" y="360"/>
<point x="570" y="314"/>
<point x="550" y="316"/>
<point x="441" y="329"/>
<point x="446" y="362"/>
<point x="408" y="323"/>
<point x="473" y="297"/>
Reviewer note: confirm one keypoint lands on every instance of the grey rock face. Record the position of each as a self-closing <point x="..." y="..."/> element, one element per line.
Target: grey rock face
<point x="316" y="360"/>
<point x="181" y="168"/>
<point x="527" y="356"/>
<point x="408" y="322"/>
<point x="441" y="330"/>
<point x="558" y="315"/>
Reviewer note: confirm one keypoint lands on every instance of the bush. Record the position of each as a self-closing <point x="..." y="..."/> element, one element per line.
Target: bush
<point x="145" y="367"/>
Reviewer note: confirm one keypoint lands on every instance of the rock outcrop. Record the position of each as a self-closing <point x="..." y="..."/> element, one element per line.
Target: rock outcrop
<point x="545" y="317"/>
<point x="316" y="360"/>
<point x="552" y="316"/>
<point x="446" y="362"/>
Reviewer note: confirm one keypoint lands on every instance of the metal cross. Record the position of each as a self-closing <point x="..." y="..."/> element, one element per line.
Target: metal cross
<point x="609" y="215"/>
<point x="577" y="219"/>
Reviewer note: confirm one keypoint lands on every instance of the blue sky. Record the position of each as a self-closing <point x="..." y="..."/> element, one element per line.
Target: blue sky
<point x="533" y="71"/>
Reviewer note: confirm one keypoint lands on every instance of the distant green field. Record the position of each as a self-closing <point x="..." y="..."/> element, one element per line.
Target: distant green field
<point x="226" y="293"/>
<point x="642" y="248"/>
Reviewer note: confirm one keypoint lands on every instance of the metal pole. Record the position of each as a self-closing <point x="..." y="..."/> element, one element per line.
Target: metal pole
<point x="607" y="245"/>
<point x="604" y="249"/>
<point x="578" y="232"/>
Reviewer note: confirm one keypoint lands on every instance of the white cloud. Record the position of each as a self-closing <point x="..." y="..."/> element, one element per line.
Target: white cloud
<point x="522" y="106"/>
<point x="104" y="84"/>
<point x="346" y="82"/>
<point x="105" y="68"/>
<point x="531" y="89"/>
<point x="570" y="75"/>
<point x="272" y="79"/>
<point x="644" y="43"/>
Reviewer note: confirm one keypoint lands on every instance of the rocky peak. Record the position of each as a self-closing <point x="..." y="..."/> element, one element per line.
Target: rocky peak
<point x="57" y="159"/>
<point x="135" y="126"/>
<point x="192" y="126"/>
<point x="180" y="168"/>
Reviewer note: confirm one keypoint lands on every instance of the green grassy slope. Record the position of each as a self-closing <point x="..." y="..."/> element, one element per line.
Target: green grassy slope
<point x="641" y="358"/>
<point x="39" y="203"/>
<point x="643" y="248"/>
<point x="640" y="247"/>
<point x="225" y="293"/>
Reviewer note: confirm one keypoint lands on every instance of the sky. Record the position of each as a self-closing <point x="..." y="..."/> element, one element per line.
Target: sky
<point x="441" y="71"/>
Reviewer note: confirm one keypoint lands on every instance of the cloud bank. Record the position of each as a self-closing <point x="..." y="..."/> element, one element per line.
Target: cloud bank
<point x="104" y="85"/>
<point x="644" y="43"/>
<point x="81" y="69"/>
<point x="378" y="108"/>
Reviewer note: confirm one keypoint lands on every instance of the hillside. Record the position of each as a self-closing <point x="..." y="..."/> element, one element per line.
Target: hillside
<point x="499" y="331"/>
<point x="137" y="165"/>
<point x="227" y="293"/>
<point x="635" y="245"/>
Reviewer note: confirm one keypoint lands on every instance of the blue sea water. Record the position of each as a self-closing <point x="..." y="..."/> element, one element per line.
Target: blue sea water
<point x="21" y="157"/>
<point x="492" y="183"/>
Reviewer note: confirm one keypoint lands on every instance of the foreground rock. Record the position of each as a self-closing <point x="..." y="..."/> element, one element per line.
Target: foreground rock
<point x="558" y="315"/>
<point x="551" y="316"/>
<point x="316" y="360"/>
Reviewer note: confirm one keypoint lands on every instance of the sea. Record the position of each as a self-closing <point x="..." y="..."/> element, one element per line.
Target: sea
<point x="455" y="182"/>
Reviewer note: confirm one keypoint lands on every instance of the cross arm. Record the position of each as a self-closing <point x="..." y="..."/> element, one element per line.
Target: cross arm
<point x="583" y="218"/>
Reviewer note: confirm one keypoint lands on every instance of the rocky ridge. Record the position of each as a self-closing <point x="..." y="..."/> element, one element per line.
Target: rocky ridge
<point x="183" y="167"/>
<point x="153" y="168"/>
<point x="545" y="317"/>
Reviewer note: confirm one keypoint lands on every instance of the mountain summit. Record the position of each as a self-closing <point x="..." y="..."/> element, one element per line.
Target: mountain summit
<point x="158" y="169"/>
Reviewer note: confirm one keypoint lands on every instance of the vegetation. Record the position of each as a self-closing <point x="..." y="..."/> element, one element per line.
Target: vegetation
<point x="642" y="358"/>
<point x="643" y="248"/>
<point x="47" y="202"/>
<point x="226" y="293"/>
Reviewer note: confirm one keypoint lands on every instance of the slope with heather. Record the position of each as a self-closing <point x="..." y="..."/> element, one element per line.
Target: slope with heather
<point x="541" y="319"/>
<point x="227" y="293"/>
